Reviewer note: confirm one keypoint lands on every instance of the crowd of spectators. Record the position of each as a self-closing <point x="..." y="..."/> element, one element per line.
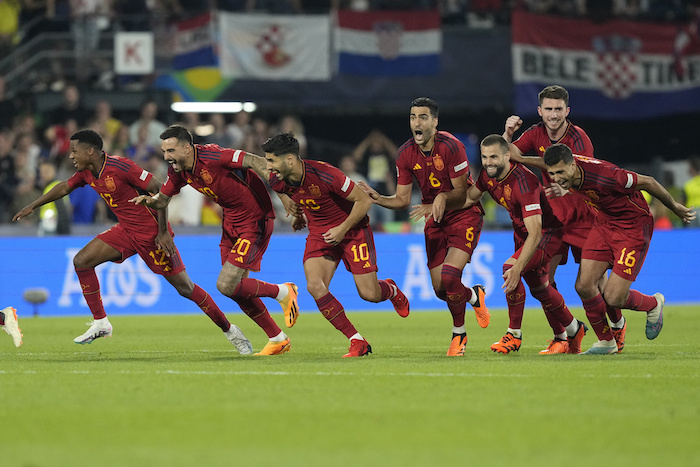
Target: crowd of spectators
<point x="34" y="154"/>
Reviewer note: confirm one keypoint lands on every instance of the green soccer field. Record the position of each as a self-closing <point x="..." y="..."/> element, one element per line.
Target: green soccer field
<point x="172" y="391"/>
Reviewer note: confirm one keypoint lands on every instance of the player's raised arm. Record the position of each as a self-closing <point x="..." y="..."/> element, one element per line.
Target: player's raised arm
<point x="513" y="124"/>
<point x="57" y="192"/>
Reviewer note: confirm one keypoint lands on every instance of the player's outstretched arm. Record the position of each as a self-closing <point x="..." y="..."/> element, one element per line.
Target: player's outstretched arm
<point x="57" y="192"/>
<point x="400" y="200"/>
<point x="657" y="190"/>
<point x="291" y="208"/>
<point x="256" y="163"/>
<point x="157" y="201"/>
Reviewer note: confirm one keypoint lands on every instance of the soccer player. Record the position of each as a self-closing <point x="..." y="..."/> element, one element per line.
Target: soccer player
<point x="538" y="236"/>
<point x="9" y="323"/>
<point x="118" y="179"/>
<point x="335" y="209"/>
<point x="247" y="225"/>
<point x="438" y="162"/>
<point x="572" y="211"/>
<point x="619" y="238"/>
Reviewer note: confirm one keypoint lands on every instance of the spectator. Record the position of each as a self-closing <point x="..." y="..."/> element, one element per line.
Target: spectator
<point x="239" y="128"/>
<point x="348" y="165"/>
<point x="375" y="156"/>
<point x="71" y="108"/>
<point x="219" y="135"/>
<point x="107" y="126"/>
<point x="88" y="18"/>
<point x="292" y="124"/>
<point x="7" y="107"/>
<point x="8" y="176"/>
<point x="141" y="151"/>
<point x="154" y="127"/>
<point x="58" y="138"/>
<point x="9" y="25"/>
<point x="54" y="217"/>
<point x="87" y="206"/>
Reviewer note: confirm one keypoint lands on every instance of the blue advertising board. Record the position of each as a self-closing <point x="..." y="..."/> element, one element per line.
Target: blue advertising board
<point x="131" y="288"/>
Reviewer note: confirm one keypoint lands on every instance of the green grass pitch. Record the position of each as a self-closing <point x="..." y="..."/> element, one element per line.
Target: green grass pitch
<point x="172" y="391"/>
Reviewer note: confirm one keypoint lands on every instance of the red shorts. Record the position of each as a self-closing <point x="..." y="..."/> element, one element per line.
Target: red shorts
<point x="623" y="249"/>
<point x="356" y="250"/>
<point x="548" y="247"/>
<point x="243" y="245"/>
<point x="574" y="237"/>
<point x="461" y="231"/>
<point x="129" y="244"/>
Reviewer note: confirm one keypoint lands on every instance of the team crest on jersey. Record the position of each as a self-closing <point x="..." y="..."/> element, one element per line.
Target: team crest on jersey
<point x="507" y="192"/>
<point x="593" y="195"/>
<point x="109" y="183"/>
<point x="437" y="160"/>
<point x="206" y="176"/>
<point x="314" y="190"/>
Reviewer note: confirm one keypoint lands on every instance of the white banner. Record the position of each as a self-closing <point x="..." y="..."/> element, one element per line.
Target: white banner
<point x="275" y="47"/>
<point x="133" y="53"/>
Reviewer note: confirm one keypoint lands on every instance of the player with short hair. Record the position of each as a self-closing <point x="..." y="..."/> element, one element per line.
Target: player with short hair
<point x="619" y="239"/>
<point x="246" y="228"/>
<point x="438" y="162"/>
<point x="319" y="195"/>
<point x="537" y="235"/>
<point x="575" y="214"/>
<point x="9" y="324"/>
<point x="118" y="179"/>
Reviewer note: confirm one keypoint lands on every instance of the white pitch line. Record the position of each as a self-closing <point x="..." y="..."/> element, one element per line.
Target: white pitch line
<point x="334" y="373"/>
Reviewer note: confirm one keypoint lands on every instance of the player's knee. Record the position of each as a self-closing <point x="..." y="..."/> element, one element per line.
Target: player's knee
<point x="615" y="300"/>
<point x="586" y="290"/>
<point x="226" y="287"/>
<point x="316" y="288"/>
<point x="80" y="261"/>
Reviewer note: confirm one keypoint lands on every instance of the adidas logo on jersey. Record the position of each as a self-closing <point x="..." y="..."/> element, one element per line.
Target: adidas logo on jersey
<point x="417" y="166"/>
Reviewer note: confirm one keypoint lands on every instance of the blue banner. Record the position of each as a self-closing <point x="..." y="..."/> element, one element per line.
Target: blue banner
<point x="131" y="288"/>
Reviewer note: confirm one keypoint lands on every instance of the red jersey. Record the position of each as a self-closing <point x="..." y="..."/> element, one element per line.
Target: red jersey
<point x="433" y="171"/>
<point x="120" y="180"/>
<point x="535" y="140"/>
<point x="612" y="191"/>
<point x="521" y="193"/>
<point x="323" y="193"/>
<point x="218" y="174"/>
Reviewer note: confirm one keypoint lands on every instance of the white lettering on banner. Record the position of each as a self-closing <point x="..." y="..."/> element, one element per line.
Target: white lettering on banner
<point x="118" y="283"/>
<point x="418" y="276"/>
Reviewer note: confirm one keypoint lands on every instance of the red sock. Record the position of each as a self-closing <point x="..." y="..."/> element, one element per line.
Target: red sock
<point x="615" y="314"/>
<point x="333" y="311"/>
<point x="255" y="309"/>
<point x="595" y="311"/>
<point x="387" y="290"/>
<point x="640" y="302"/>
<point x="554" y="308"/>
<point x="208" y="306"/>
<point x="516" y="306"/>
<point x="249" y="288"/>
<point x="91" y="292"/>
<point x="457" y="293"/>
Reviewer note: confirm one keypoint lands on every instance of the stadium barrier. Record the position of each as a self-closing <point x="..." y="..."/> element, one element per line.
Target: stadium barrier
<point x="131" y="288"/>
